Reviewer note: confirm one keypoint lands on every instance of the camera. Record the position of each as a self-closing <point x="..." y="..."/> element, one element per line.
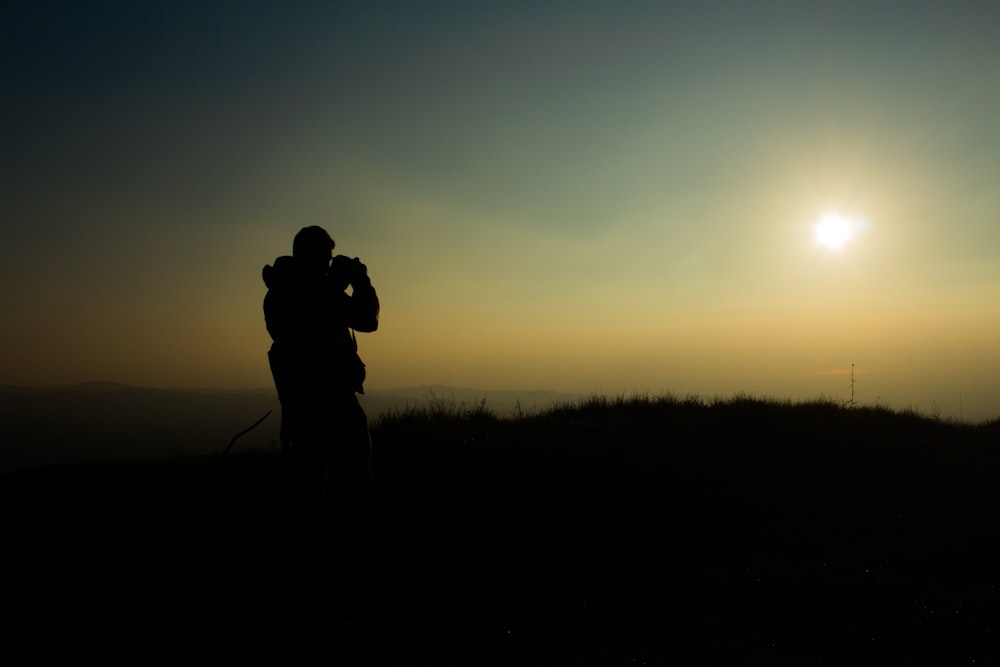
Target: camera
<point x="344" y="270"/>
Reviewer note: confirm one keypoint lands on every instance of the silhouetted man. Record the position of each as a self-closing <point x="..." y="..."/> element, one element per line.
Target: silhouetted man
<point x="317" y="372"/>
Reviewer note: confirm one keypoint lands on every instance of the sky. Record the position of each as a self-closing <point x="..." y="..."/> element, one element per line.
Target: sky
<point x="596" y="197"/>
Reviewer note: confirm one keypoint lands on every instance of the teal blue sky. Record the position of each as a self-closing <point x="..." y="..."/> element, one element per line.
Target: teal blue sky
<point x="580" y="196"/>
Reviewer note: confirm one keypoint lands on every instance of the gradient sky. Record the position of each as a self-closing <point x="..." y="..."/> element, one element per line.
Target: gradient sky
<point x="599" y="197"/>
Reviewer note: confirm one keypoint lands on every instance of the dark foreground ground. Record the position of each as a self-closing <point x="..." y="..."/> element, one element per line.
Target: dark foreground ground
<point x="616" y="532"/>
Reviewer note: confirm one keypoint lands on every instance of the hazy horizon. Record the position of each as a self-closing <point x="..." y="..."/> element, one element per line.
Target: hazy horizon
<point x="698" y="198"/>
<point x="505" y="401"/>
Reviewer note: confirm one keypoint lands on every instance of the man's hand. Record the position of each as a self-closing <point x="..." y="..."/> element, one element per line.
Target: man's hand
<point x="361" y="269"/>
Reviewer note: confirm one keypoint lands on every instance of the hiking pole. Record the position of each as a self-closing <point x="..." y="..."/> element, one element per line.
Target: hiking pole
<point x="245" y="431"/>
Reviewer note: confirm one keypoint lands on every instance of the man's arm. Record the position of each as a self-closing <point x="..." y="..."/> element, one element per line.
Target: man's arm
<point x="364" y="308"/>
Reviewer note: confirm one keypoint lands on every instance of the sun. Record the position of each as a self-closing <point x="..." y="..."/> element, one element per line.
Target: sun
<point x="834" y="231"/>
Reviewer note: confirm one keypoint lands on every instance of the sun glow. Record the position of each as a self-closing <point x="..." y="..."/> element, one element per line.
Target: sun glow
<point x="834" y="231"/>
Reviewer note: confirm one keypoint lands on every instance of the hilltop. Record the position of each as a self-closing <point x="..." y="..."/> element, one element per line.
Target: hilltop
<point x="612" y="530"/>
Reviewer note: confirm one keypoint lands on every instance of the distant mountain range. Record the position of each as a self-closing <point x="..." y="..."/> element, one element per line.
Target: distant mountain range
<point x="105" y="386"/>
<point x="101" y="421"/>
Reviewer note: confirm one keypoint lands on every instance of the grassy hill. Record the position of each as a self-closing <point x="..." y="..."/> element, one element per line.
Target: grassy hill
<point x="635" y="530"/>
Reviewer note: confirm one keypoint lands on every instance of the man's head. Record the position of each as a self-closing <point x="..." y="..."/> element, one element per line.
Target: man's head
<point x="313" y="246"/>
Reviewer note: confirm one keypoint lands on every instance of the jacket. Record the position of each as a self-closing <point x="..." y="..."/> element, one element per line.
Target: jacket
<point x="310" y="321"/>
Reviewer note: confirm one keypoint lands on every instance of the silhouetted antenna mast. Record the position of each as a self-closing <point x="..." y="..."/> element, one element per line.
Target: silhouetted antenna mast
<point x="852" y="403"/>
